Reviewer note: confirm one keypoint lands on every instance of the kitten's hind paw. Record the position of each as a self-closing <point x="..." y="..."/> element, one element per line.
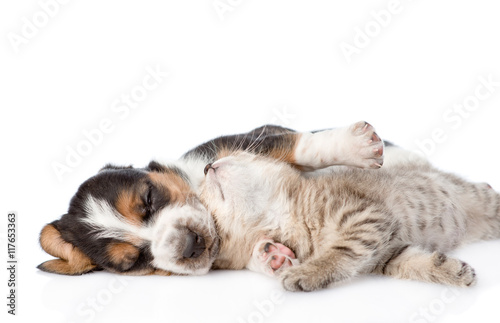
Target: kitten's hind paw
<point x="453" y="271"/>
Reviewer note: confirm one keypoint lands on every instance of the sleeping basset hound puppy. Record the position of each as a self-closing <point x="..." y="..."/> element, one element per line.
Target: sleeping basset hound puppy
<point x="151" y="220"/>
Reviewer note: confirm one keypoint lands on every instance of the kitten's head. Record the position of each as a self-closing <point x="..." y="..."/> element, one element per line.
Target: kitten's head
<point x="243" y="184"/>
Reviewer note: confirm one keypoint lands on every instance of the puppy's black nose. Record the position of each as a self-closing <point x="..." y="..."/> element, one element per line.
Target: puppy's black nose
<point x="207" y="168"/>
<point x="195" y="245"/>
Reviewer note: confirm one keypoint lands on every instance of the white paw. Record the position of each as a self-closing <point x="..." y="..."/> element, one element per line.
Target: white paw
<point x="364" y="146"/>
<point x="357" y="145"/>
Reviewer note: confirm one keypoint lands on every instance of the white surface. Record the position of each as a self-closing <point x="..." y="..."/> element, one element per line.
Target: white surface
<point x="266" y="62"/>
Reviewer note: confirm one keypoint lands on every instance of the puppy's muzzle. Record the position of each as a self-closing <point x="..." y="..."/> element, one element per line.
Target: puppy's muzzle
<point x="195" y="245"/>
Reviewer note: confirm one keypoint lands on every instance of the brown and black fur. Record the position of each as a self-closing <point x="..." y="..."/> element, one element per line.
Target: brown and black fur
<point x="138" y="197"/>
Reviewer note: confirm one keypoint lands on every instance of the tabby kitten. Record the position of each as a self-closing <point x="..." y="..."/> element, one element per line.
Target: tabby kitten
<point x="398" y="221"/>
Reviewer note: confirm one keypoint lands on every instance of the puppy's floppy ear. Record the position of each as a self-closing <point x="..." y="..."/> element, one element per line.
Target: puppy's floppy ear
<point x="72" y="261"/>
<point x="114" y="167"/>
<point x="155" y="166"/>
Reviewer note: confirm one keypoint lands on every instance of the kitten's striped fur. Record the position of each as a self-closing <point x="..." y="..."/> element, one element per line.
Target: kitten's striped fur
<point x="397" y="221"/>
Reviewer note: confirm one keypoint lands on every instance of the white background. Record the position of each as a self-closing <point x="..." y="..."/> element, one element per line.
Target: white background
<point x="259" y="62"/>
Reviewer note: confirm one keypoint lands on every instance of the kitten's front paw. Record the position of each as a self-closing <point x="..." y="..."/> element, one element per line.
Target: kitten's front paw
<point x="364" y="146"/>
<point x="303" y="278"/>
<point x="270" y="257"/>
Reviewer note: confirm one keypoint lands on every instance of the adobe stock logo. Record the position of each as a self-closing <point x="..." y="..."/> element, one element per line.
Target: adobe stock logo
<point x="283" y="116"/>
<point x="454" y="117"/>
<point x="95" y="305"/>
<point x="222" y="7"/>
<point x="121" y="108"/>
<point x="31" y="27"/>
<point x="264" y="308"/>
<point x="436" y="307"/>
<point x="363" y="36"/>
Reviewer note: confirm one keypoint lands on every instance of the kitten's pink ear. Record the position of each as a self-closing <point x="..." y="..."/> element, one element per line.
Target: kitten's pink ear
<point x="72" y="261"/>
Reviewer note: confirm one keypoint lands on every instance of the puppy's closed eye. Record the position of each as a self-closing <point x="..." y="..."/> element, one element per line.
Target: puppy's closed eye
<point x="153" y="199"/>
<point x="148" y="204"/>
